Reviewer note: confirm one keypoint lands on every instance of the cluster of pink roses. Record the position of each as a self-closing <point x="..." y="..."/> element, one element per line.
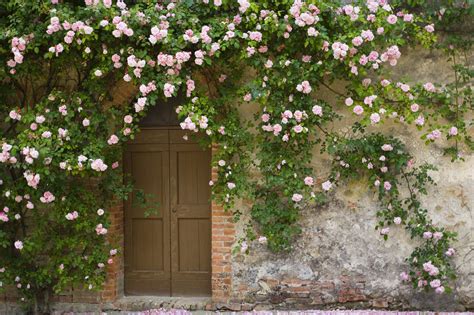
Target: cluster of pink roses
<point x="32" y="179"/>
<point x="18" y="49"/>
<point x="72" y="216"/>
<point x="159" y="32"/>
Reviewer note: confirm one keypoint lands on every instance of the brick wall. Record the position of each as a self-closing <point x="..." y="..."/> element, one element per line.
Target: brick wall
<point x="113" y="288"/>
<point x="223" y="235"/>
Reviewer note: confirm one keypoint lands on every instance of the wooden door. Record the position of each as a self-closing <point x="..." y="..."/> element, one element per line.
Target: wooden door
<point x="190" y="217"/>
<point x="168" y="254"/>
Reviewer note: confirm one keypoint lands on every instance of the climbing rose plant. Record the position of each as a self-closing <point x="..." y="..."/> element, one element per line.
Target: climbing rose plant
<point x="65" y="61"/>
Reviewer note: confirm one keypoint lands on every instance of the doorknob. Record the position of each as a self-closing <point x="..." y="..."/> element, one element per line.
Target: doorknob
<point x="174" y="210"/>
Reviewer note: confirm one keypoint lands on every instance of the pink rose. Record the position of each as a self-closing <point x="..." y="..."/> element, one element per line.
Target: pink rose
<point x="309" y="181"/>
<point x="392" y="19"/>
<point x="358" y="110"/>
<point x="297" y="197"/>
<point x="326" y="185"/>
<point x="19" y="245"/>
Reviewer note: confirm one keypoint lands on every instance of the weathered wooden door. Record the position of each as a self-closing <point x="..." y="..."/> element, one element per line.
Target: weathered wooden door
<point x="168" y="253"/>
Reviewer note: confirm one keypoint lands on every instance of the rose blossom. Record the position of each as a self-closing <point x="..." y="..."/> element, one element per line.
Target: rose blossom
<point x="304" y="87"/>
<point x="358" y="110"/>
<point x="326" y="185"/>
<point x="19" y="245"/>
<point x="297" y="197"/>
<point x="404" y="276"/>
<point x="309" y="181"/>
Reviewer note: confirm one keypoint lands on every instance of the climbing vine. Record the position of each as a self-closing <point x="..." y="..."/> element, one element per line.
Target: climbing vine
<point x="65" y="63"/>
<point x="388" y="168"/>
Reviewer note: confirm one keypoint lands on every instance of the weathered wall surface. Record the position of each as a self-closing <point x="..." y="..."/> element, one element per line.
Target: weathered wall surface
<point x="341" y="259"/>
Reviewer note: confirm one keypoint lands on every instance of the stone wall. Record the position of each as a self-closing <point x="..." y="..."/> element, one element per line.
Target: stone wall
<point x="340" y="260"/>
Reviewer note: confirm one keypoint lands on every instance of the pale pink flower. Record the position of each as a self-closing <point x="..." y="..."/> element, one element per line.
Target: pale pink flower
<point x="357" y="41"/>
<point x="404" y="276"/>
<point x="387" y="185"/>
<point x="3" y="217"/>
<point x="262" y="240"/>
<point x="450" y="252"/>
<point x="309" y="181"/>
<point x="429" y="28"/>
<point x="113" y="140"/>
<point x="420" y="120"/>
<point x="277" y="128"/>
<point x="15" y="115"/>
<point x="433" y="135"/>
<point x="375" y="118"/>
<point x="414" y="107"/>
<point x="304" y="87"/>
<point x="47" y="197"/>
<point x="358" y="110"/>
<point x="397" y="220"/>
<point x="317" y="110"/>
<point x="128" y="119"/>
<point x="392" y="19"/>
<point x="19" y="245"/>
<point x="98" y="165"/>
<point x="312" y="32"/>
<point x="256" y="36"/>
<point x="430" y="268"/>
<point x="453" y="131"/>
<point x="429" y="87"/>
<point x="100" y="229"/>
<point x="387" y="147"/>
<point x="297" y="197"/>
<point x="168" y="89"/>
<point x="326" y="185"/>
<point x="298" y="129"/>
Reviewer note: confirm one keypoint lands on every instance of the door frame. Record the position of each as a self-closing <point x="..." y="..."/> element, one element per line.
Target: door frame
<point x="222" y="241"/>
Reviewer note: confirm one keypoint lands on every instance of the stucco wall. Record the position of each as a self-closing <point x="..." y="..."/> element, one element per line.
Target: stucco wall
<point x="340" y="258"/>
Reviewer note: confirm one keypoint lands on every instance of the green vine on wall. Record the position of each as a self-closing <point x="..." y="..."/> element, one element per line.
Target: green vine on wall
<point x="384" y="162"/>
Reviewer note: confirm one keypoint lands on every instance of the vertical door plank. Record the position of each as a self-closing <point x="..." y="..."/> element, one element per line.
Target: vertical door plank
<point x="147" y="238"/>
<point x="190" y="220"/>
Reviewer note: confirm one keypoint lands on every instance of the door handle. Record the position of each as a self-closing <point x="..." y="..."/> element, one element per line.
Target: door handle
<point x="174" y="210"/>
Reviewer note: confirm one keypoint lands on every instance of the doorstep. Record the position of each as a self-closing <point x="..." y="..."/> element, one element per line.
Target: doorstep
<point x="142" y="303"/>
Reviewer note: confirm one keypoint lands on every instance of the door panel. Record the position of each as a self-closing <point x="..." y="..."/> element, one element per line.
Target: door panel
<point x="147" y="239"/>
<point x="169" y="253"/>
<point x="190" y="220"/>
